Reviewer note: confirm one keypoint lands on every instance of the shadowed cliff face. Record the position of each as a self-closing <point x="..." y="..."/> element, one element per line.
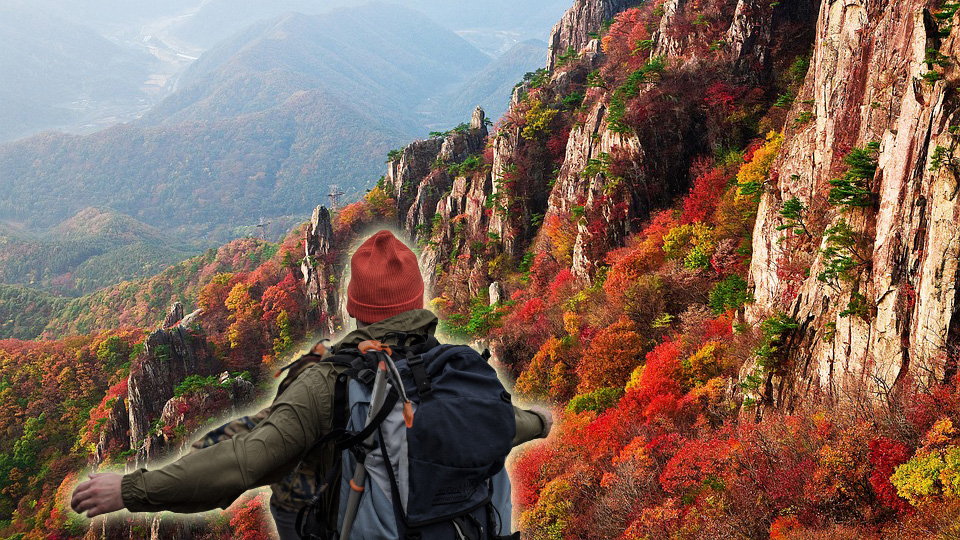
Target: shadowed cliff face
<point x="868" y="83"/>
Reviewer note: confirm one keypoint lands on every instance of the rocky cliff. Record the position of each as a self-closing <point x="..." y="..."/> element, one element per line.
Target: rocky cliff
<point x="144" y="421"/>
<point x="321" y="268"/>
<point x="589" y="183"/>
<point x="574" y="30"/>
<point x="879" y="81"/>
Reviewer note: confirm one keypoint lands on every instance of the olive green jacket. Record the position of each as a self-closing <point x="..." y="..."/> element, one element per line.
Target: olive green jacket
<point x="215" y="476"/>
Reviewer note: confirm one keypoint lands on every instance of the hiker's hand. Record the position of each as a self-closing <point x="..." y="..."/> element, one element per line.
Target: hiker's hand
<point x="547" y="418"/>
<point x="99" y="495"/>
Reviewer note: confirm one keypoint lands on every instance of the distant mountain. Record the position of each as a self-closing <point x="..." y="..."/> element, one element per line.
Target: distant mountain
<point x="491" y="88"/>
<point x="54" y="73"/>
<point x="384" y="57"/>
<point x="261" y="127"/>
<point x="91" y="250"/>
<point x="218" y="19"/>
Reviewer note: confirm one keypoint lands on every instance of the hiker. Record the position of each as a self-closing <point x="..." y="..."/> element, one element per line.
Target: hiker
<point x="385" y="296"/>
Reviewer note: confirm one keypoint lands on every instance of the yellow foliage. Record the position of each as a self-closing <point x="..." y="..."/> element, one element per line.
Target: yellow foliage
<point x="712" y="393"/>
<point x="755" y="172"/>
<point x="941" y="433"/>
<point x="548" y="520"/>
<point x="703" y="365"/>
<point x="935" y="470"/>
<point x="635" y="377"/>
<point x="571" y="323"/>
<point x="538" y="120"/>
<point x="919" y="477"/>
<point x="950" y="475"/>
<point x="378" y="197"/>
<point x="694" y="243"/>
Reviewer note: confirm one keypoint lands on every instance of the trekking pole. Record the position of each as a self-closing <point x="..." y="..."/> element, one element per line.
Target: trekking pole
<point x="360" y="473"/>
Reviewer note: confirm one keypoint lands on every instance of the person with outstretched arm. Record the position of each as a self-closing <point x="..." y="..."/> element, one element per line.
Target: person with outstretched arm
<point x="385" y="296"/>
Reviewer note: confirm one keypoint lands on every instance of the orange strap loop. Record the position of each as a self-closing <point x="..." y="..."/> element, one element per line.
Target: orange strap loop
<point x="355" y="487"/>
<point x="374" y="345"/>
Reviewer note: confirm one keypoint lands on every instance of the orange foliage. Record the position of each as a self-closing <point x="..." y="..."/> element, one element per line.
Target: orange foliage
<point x="377" y="207"/>
<point x="537" y="380"/>
<point x="612" y="354"/>
<point x="562" y="232"/>
<point x="643" y="255"/>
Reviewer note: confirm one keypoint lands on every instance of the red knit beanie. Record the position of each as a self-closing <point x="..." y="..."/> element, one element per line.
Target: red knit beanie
<point x="385" y="279"/>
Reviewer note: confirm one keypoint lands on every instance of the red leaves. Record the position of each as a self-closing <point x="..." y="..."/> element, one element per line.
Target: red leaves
<point x="885" y="455"/>
<point x="557" y="143"/>
<point x="527" y="474"/>
<point x="624" y="41"/>
<point x="563" y="286"/>
<point x="641" y="256"/>
<point x="249" y="521"/>
<point x="284" y="296"/>
<point x="659" y="381"/>
<point x="705" y="195"/>
<point x="697" y="462"/>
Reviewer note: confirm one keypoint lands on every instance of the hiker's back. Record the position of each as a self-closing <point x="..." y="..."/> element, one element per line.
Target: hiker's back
<point x="446" y="476"/>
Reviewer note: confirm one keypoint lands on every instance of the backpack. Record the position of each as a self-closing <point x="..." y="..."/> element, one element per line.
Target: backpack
<point x="427" y="462"/>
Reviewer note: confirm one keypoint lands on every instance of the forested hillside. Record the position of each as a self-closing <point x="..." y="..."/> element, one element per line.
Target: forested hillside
<point x="718" y="238"/>
<point x="91" y="250"/>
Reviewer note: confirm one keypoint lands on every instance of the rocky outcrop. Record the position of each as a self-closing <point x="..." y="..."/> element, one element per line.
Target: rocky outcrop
<point x="434" y="182"/>
<point x="414" y="164"/>
<point x="115" y="433"/>
<point x="174" y="316"/>
<point x="581" y="196"/>
<point x="183" y="414"/>
<point x="868" y="82"/>
<point x="168" y="357"/>
<point x="455" y="149"/>
<point x="461" y="217"/>
<point x="321" y="268"/>
<point x="504" y="223"/>
<point x="578" y="23"/>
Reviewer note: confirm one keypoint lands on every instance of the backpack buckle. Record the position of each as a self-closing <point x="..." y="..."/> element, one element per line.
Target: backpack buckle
<point x="419" y="371"/>
<point x="366" y="376"/>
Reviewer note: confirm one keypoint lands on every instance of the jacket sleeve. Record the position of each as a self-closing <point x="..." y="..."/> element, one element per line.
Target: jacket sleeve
<point x="530" y="425"/>
<point x="231" y="429"/>
<point x="215" y="476"/>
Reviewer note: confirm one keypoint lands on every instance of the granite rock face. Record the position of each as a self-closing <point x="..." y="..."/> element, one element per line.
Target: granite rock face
<point x="574" y="29"/>
<point x="322" y="269"/>
<point x="868" y="83"/>
<point x="168" y="357"/>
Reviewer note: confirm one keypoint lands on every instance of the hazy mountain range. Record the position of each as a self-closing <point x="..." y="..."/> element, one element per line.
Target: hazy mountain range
<point x="258" y="129"/>
<point x="83" y="67"/>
